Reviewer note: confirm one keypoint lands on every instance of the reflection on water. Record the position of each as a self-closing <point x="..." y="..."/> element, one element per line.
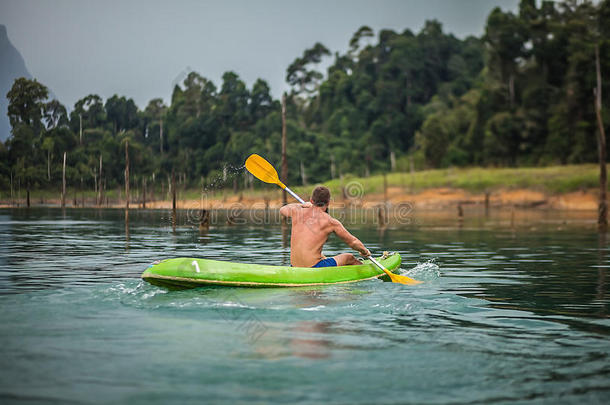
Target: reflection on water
<point x="505" y="314"/>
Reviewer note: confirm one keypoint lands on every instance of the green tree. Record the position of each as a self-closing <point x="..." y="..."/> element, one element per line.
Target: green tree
<point x="122" y="113"/>
<point x="26" y="110"/>
<point x="301" y="75"/>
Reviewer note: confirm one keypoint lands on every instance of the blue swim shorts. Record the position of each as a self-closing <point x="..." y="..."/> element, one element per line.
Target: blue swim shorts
<point x="328" y="262"/>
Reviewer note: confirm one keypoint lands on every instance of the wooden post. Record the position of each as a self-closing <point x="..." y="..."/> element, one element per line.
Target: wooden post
<point x="382" y="215"/>
<point x="63" y="182"/>
<point x="602" y="215"/>
<point x="284" y="161"/>
<point x="204" y="220"/>
<point x="487" y="203"/>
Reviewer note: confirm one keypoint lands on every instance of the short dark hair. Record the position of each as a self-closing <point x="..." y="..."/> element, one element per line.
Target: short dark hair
<point x="320" y="196"/>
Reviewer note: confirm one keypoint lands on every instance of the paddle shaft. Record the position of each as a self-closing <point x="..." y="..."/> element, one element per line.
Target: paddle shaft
<point x="376" y="263"/>
<point x="292" y="193"/>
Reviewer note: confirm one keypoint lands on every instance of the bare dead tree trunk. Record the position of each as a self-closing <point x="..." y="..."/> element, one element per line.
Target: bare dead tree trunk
<point x="487" y="193"/>
<point x="412" y="171"/>
<point x="99" y="188"/>
<point x="408" y="91"/>
<point x="385" y="189"/>
<point x="126" y="179"/>
<point x="303" y="174"/>
<point x="511" y="89"/>
<point x="161" y="136"/>
<point x="144" y="194"/>
<point x="12" y="191"/>
<point x="284" y="160"/>
<point x="173" y="200"/>
<point x="63" y="187"/>
<point x="602" y="217"/>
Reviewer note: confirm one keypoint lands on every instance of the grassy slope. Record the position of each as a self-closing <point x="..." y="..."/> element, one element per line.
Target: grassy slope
<point x="553" y="179"/>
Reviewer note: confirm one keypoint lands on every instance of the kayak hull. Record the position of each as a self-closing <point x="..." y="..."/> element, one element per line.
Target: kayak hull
<point x="192" y="272"/>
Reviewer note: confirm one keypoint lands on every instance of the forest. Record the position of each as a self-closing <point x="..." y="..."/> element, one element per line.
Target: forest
<point x="520" y="95"/>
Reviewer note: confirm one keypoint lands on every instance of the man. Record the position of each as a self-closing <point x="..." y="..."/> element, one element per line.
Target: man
<point x="311" y="226"/>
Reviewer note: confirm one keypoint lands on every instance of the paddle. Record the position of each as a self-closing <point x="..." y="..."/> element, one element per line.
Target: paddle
<point x="262" y="170"/>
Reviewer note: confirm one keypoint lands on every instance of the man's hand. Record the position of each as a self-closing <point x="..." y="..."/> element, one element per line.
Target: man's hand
<point x="366" y="253"/>
<point x="307" y="205"/>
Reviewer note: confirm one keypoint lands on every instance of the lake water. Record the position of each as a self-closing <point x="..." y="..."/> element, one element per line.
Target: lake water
<point x="505" y="315"/>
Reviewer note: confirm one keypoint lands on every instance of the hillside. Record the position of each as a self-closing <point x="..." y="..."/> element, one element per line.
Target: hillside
<point x="12" y="67"/>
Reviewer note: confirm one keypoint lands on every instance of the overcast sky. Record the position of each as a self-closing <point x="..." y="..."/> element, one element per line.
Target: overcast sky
<point x="140" y="48"/>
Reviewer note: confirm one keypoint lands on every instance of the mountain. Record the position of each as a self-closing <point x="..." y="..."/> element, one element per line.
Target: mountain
<point x="11" y="68"/>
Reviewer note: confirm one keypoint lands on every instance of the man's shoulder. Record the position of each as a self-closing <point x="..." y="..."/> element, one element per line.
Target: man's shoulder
<point x="333" y="221"/>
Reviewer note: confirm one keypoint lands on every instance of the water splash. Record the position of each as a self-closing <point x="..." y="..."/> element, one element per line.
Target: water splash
<point x="222" y="181"/>
<point x="425" y="271"/>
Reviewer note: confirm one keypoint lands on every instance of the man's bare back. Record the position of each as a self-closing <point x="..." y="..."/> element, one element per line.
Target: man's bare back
<point x="311" y="226"/>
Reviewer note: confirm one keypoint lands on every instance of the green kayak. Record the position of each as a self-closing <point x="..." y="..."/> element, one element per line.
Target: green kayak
<point x="191" y="272"/>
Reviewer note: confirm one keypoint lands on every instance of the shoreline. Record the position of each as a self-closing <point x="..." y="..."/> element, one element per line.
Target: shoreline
<point x="429" y="199"/>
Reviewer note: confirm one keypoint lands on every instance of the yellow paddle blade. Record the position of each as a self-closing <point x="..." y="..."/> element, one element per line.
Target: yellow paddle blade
<point x="402" y="279"/>
<point x="262" y="170"/>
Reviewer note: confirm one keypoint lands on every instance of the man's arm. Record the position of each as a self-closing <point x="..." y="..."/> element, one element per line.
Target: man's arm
<point x="349" y="239"/>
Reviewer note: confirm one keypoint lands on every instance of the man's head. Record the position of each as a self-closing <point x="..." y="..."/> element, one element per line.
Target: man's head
<point x="320" y="196"/>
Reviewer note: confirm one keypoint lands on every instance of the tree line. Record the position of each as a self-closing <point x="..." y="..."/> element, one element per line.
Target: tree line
<point x="522" y="94"/>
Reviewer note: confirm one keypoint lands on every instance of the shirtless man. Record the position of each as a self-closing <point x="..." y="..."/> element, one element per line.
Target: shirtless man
<point x="311" y="226"/>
